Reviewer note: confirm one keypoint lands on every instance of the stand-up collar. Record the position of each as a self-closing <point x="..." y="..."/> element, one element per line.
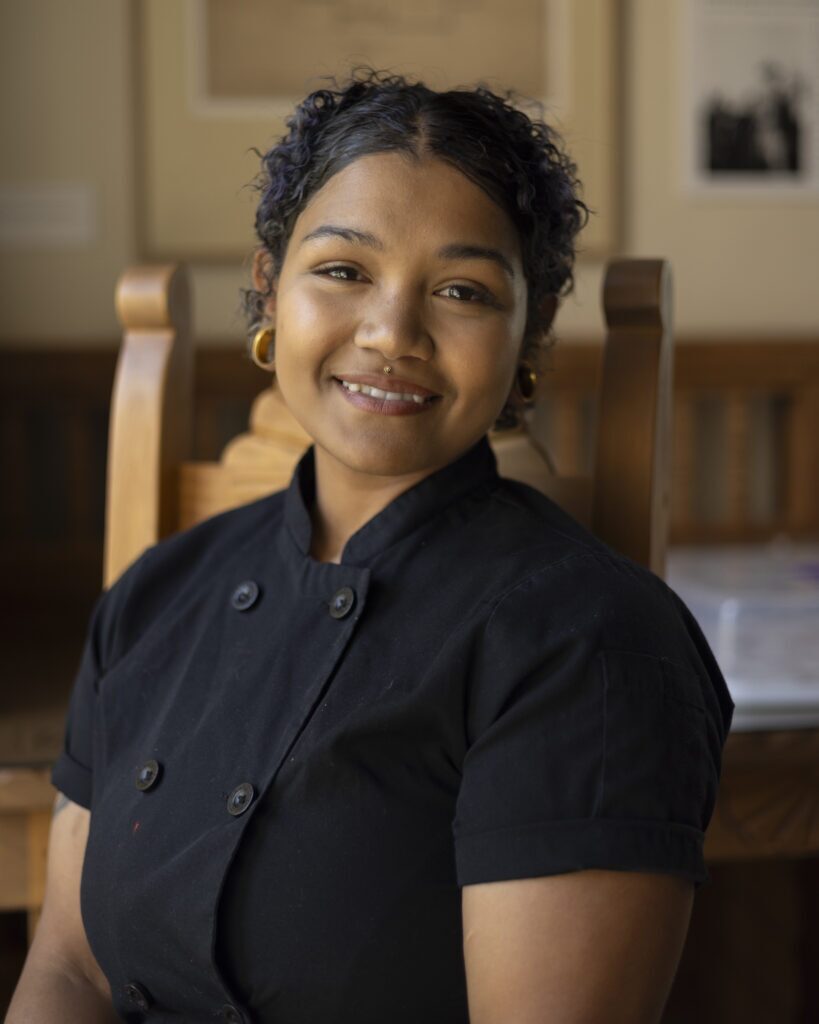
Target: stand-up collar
<point x="414" y="506"/>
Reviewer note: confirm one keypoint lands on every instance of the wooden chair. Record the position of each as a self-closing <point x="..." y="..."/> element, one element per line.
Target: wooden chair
<point x="153" y="488"/>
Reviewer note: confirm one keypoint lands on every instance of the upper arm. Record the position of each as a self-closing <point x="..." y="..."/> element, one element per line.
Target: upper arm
<point x="574" y="948"/>
<point x="60" y="937"/>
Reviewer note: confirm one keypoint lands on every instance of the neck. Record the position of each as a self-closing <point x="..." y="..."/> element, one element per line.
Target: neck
<point x="346" y="499"/>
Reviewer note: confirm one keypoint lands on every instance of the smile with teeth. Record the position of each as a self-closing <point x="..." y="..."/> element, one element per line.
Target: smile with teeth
<point x="390" y="396"/>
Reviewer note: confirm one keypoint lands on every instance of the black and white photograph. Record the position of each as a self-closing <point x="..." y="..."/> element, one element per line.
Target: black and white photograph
<point x="751" y="95"/>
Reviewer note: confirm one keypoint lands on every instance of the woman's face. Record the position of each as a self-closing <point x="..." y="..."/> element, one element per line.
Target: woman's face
<point x="409" y="265"/>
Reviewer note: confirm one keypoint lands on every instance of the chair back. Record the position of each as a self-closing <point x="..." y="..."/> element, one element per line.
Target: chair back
<point x="155" y="488"/>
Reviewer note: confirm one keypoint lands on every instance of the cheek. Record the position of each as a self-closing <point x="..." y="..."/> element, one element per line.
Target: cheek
<point x="484" y="363"/>
<point x="307" y="313"/>
<point x="307" y="330"/>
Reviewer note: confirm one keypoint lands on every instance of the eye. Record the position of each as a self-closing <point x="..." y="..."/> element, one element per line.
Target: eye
<point x="467" y="293"/>
<point x="339" y="272"/>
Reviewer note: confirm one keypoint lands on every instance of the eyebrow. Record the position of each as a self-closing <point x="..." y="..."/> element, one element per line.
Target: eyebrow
<point x="477" y="252"/>
<point x="455" y="251"/>
<point x="348" y="234"/>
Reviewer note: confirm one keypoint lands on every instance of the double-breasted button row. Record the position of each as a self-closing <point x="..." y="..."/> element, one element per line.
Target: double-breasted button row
<point x="245" y="595"/>
<point x="148" y="775"/>
<point x="240" y="799"/>
<point x="138" y="996"/>
<point x="342" y="602"/>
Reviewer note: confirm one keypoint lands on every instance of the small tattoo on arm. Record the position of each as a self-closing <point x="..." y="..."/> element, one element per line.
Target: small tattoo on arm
<point x="60" y="804"/>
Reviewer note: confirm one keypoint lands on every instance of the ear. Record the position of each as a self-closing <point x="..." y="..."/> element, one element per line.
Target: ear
<point x="263" y="279"/>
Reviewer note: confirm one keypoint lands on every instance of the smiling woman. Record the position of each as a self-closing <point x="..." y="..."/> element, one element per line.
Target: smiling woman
<point x="402" y="743"/>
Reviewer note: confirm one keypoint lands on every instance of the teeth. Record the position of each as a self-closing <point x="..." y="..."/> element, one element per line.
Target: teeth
<point x="390" y="396"/>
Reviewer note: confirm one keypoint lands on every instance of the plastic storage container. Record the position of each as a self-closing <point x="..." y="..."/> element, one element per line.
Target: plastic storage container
<point x="759" y="609"/>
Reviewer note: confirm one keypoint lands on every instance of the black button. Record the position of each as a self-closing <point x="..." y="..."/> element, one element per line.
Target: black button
<point x="147" y="775"/>
<point x="245" y="595"/>
<point x="241" y="798"/>
<point x="231" y="1014"/>
<point x="342" y="602"/>
<point x="138" y="996"/>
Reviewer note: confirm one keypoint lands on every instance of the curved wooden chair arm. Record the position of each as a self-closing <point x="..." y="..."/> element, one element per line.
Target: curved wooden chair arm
<point x="151" y="413"/>
<point x="632" y="472"/>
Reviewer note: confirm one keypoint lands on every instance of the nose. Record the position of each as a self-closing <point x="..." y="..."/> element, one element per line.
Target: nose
<point x="394" y="326"/>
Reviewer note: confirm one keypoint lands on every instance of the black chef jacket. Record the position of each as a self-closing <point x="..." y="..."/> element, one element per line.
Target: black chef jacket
<point x="293" y="766"/>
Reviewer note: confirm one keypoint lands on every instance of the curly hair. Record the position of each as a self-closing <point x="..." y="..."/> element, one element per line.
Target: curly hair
<point x="517" y="160"/>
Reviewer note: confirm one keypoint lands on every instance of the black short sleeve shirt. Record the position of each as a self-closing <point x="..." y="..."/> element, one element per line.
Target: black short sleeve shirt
<point x="293" y="766"/>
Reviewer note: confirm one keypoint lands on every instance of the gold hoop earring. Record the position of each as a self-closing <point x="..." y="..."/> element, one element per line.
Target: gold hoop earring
<point x="261" y="348"/>
<point x="526" y="380"/>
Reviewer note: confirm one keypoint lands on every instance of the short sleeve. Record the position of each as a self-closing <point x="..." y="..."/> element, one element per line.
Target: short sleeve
<point x="593" y="742"/>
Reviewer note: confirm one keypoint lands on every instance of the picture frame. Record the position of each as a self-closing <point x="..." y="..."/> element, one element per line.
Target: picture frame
<point x="204" y="104"/>
<point x="749" y="92"/>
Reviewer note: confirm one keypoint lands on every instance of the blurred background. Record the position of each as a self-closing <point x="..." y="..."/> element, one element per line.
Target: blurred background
<point x="128" y="128"/>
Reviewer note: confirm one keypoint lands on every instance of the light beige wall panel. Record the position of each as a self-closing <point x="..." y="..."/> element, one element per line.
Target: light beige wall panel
<point x="67" y="114"/>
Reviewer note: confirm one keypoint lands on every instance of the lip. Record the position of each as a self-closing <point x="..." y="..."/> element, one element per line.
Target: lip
<point x="385" y="406"/>
<point x="386" y="382"/>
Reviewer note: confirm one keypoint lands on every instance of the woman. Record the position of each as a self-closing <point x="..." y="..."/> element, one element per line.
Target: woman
<point x="403" y="742"/>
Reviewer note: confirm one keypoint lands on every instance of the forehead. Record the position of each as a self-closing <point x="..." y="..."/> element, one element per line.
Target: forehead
<point x="393" y="194"/>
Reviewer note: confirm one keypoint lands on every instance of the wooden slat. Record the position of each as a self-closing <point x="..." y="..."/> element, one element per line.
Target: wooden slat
<point x="737" y="435"/>
<point x="683" y="463"/>
<point x="803" y="460"/>
<point x="722" y="363"/>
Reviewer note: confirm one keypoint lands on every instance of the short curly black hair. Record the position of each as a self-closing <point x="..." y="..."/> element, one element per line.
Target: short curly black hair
<point x="519" y="161"/>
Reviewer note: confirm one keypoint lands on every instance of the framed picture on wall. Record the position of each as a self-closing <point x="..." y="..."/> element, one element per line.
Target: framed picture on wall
<point x="750" y="92"/>
<point x="217" y="78"/>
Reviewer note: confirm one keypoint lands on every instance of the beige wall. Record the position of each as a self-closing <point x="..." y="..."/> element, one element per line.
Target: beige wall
<point x="741" y="267"/>
<point x="67" y="118"/>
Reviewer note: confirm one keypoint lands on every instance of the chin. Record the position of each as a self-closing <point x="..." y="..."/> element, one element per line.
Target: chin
<point x="379" y="458"/>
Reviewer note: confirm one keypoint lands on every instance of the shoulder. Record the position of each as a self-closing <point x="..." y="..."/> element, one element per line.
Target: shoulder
<point x="177" y="565"/>
<point x="563" y="573"/>
<point x="194" y="552"/>
<point x="532" y="550"/>
<point x="516" y="547"/>
<point x="565" y="596"/>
